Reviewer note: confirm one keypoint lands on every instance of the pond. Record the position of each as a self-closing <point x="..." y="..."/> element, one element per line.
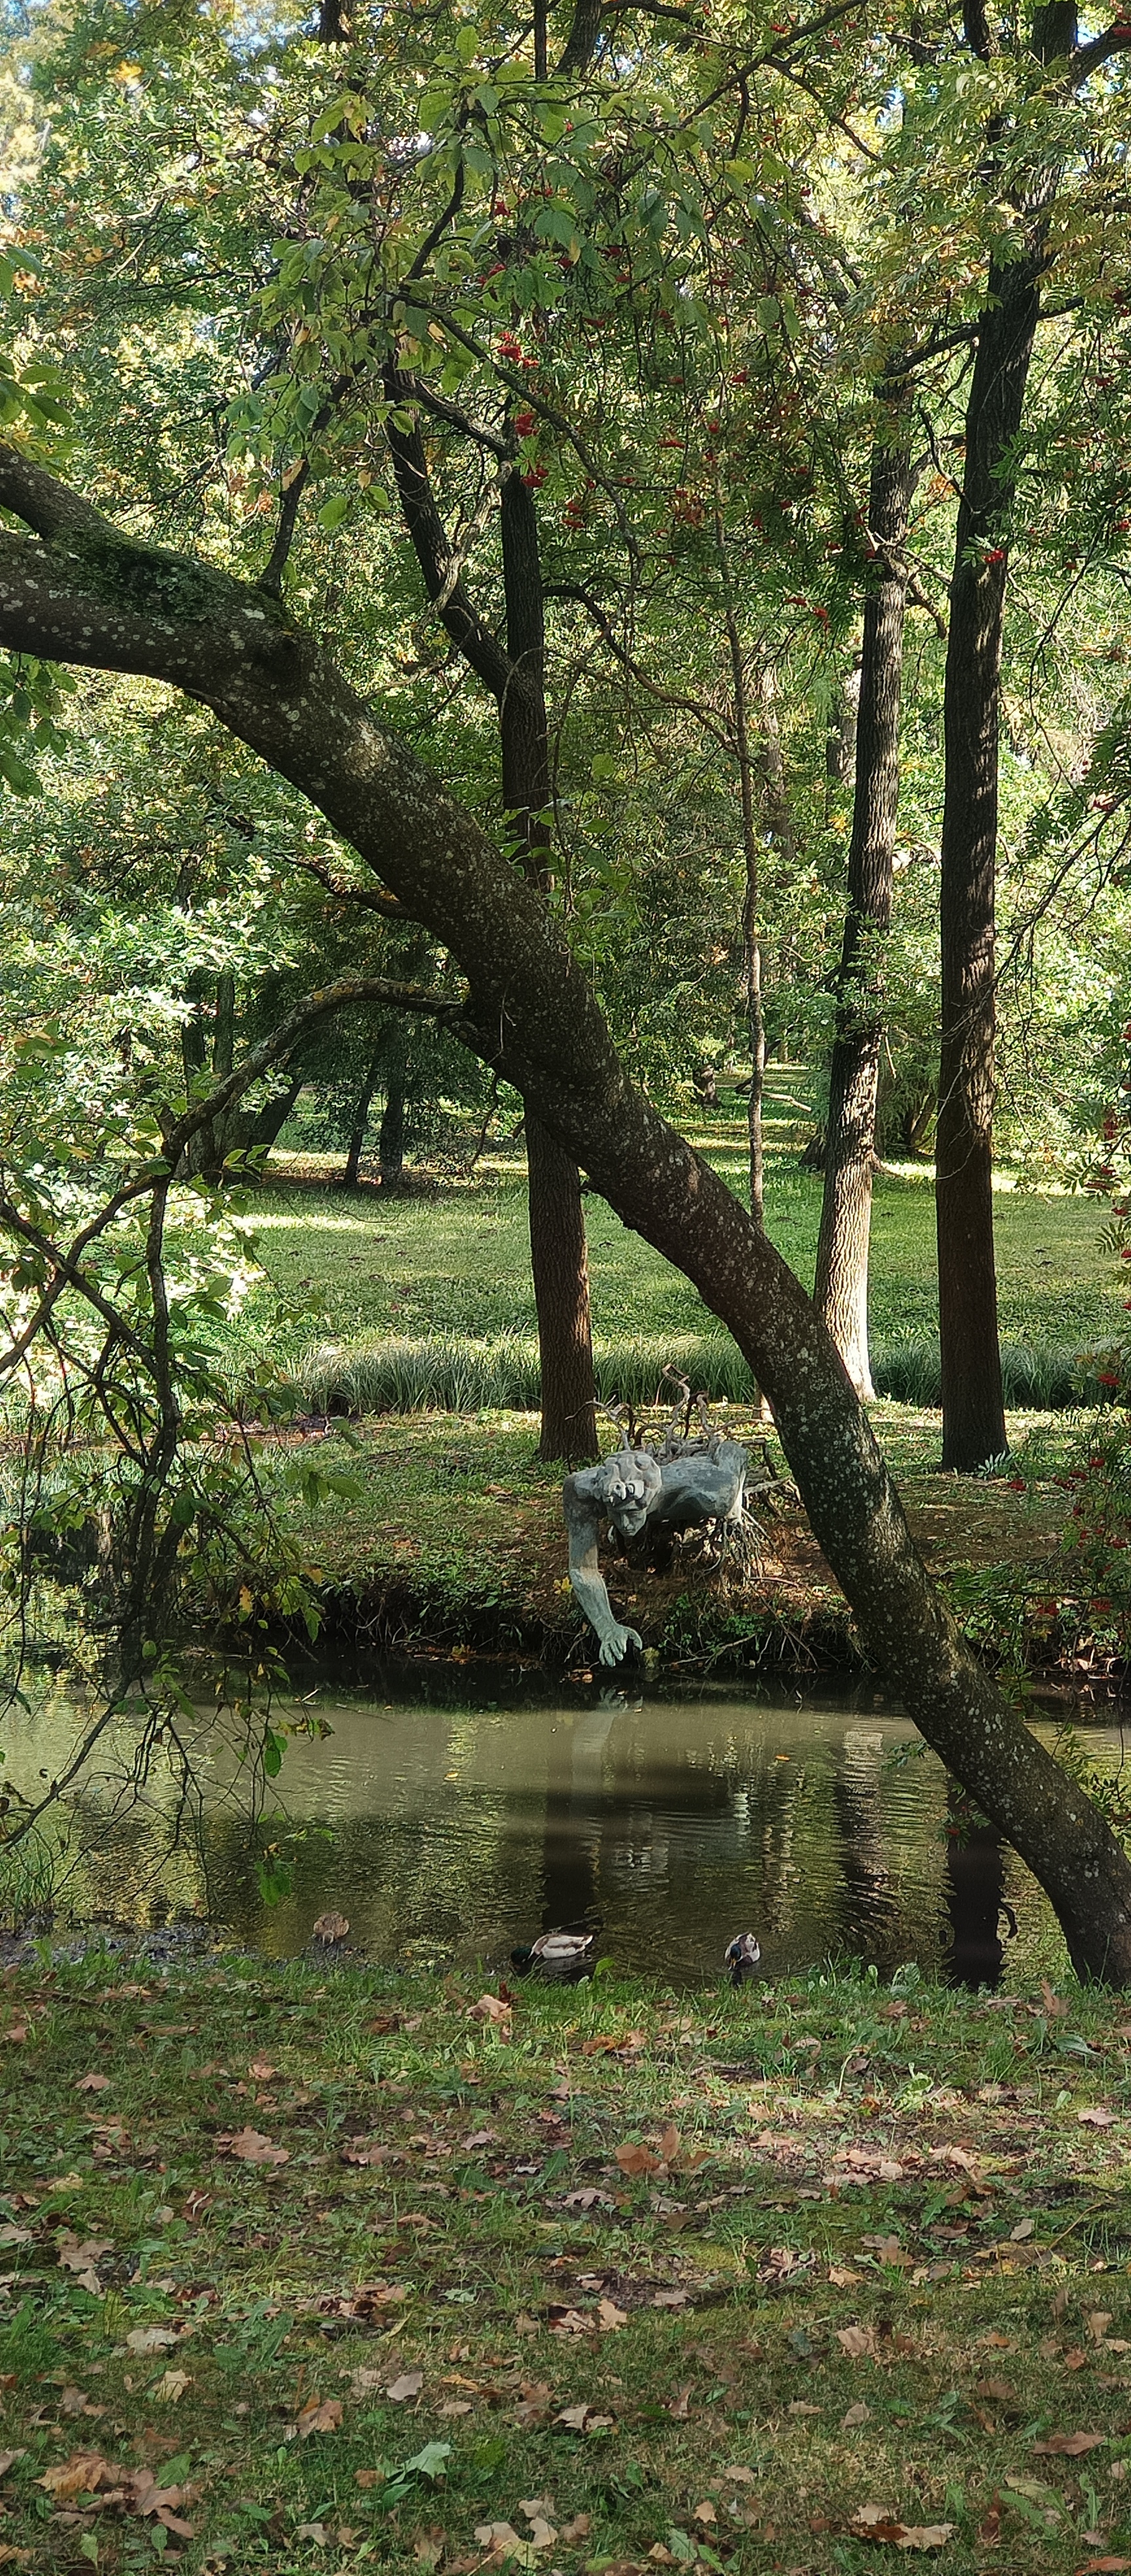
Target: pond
<point x="448" y="1826"/>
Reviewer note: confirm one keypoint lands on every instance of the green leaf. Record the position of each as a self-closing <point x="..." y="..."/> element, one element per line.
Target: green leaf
<point x="428" y="2463"/>
<point x="334" y="510"/>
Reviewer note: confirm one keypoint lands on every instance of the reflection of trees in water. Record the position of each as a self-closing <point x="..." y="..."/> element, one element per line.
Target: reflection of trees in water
<point x="870" y="1914"/>
<point x="120" y="1867"/>
<point x="975" y="1887"/>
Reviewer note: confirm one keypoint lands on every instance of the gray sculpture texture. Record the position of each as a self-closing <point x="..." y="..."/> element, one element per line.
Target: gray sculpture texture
<point x="689" y="1484"/>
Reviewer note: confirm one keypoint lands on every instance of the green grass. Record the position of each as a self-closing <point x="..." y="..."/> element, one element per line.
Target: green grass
<point x="427" y="1300"/>
<point x="644" y="2282"/>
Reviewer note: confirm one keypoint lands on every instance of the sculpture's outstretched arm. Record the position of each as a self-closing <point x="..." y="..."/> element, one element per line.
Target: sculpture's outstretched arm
<point x="583" y="1522"/>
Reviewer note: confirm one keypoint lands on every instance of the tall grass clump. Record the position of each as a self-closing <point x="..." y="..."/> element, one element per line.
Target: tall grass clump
<point x="1038" y="1376"/>
<point x="451" y="1373"/>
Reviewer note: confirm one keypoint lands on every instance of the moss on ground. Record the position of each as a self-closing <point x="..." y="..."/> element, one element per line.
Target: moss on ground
<point x="305" y="2270"/>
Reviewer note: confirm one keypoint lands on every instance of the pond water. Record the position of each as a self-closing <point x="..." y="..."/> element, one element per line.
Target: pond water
<point x="448" y="1830"/>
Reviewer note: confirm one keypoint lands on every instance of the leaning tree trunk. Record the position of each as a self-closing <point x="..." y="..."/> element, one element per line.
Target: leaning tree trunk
<point x="973" y="1408"/>
<point x="559" y="1257"/>
<point x="79" y="591"/>
<point x="841" y="1290"/>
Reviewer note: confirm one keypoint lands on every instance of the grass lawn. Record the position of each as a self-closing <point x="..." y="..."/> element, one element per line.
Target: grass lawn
<point x="453" y="1269"/>
<point x="305" y="2269"/>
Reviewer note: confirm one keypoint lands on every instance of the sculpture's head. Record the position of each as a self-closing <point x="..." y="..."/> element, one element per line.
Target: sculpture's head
<point x="630" y="1482"/>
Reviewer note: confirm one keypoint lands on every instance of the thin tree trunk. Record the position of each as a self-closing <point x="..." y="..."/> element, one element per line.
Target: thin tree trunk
<point x="390" y="1138"/>
<point x="559" y="1257"/>
<point x="751" y="940"/>
<point x="841" y="1290"/>
<point x="356" y="1146"/>
<point x="973" y="1407"/>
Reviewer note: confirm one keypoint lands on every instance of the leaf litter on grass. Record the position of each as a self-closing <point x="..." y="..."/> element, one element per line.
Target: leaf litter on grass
<point x="648" y="2391"/>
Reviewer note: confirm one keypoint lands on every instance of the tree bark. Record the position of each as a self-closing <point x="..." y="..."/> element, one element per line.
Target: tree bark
<point x="973" y="1409"/>
<point x="516" y="679"/>
<point x="841" y="1290"/>
<point x="82" y="593"/>
<point x="559" y="1258"/>
<point x="356" y="1146"/>
<point x="390" y="1139"/>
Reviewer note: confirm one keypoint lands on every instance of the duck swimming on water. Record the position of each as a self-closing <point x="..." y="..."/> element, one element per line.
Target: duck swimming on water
<point x="741" y="1957"/>
<point x="556" y="1954"/>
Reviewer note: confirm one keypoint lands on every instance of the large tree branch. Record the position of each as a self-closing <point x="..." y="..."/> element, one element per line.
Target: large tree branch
<point x="437" y="557"/>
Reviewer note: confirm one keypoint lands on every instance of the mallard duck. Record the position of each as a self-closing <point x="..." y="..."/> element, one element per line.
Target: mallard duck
<point x="556" y="1954"/>
<point x="741" y="1956"/>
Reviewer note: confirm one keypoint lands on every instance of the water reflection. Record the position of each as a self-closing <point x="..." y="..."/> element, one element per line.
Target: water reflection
<point x="458" y="1832"/>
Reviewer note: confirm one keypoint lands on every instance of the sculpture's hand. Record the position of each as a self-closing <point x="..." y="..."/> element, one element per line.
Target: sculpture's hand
<point x="616" y="1642"/>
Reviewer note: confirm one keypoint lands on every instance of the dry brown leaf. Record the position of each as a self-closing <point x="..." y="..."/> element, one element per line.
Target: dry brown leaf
<point x="250" y="2147"/>
<point x="1104" y="2567"/>
<point x="498" y="2536"/>
<point x="14" y="2037"/>
<point x="82" y="2474"/>
<point x="491" y="2008"/>
<point x="1097" y="2324"/>
<point x="609" y="2316"/>
<point x="678" y="2404"/>
<point x="578" y="2529"/>
<point x="1095" y="2117"/>
<point x="145" y="2339"/>
<point x="858" y="2414"/>
<point x="705" y="2512"/>
<point x="319" y="2415"/>
<point x="15" y="2235"/>
<point x="872" y="2522"/>
<point x="997" y="2390"/>
<point x="1024" y="2228"/>
<point x="408" y="2385"/>
<point x="8" y="2461"/>
<point x="571" y="2321"/>
<point x="171" y="2386"/>
<point x="74" y="2401"/>
<point x="1068" y="2446"/>
<point x="92" y="2083"/>
<point x="262" y="2072"/>
<point x="856" y="2341"/>
<point x="842" y="2276"/>
<point x="745" y="2477"/>
<point x="634" y="2159"/>
<point x="1053" y="2004"/>
<point x="670" y="2299"/>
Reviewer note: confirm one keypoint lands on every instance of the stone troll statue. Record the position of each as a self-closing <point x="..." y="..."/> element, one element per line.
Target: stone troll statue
<point x="684" y="1484"/>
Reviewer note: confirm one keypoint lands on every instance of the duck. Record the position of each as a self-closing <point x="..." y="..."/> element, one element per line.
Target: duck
<point x="555" y="1954"/>
<point x="741" y="1957"/>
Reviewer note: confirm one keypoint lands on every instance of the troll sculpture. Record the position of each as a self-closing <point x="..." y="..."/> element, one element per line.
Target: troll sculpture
<point x="686" y="1485"/>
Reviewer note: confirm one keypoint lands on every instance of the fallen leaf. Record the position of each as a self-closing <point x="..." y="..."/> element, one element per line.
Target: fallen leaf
<point x="1053" y="2004"/>
<point x="1097" y="2324"/>
<point x="1104" y="2567"/>
<point x="15" y="2235"/>
<point x="634" y="2159"/>
<point x="584" y="2199"/>
<point x="798" y="2406"/>
<point x="171" y="2386"/>
<point x="319" y="2415"/>
<point x="858" y="2414"/>
<point x="856" y="2341"/>
<point x="997" y="2390"/>
<point x="744" y="2477"/>
<point x="315" y="2531"/>
<point x="491" y="2008"/>
<point x="329" y="1927"/>
<point x="872" y="2522"/>
<point x="1033" y="2488"/>
<point x="252" y="2148"/>
<point x="1068" y="2446"/>
<point x="842" y="2277"/>
<point x="1024" y="2228"/>
<point x="92" y="2083"/>
<point x="82" y="2474"/>
<point x="499" y="2536"/>
<point x="578" y="2529"/>
<point x="670" y="2299"/>
<point x="456" y="2406"/>
<point x="8" y="2461"/>
<point x="609" y="2316"/>
<point x="151" y="2339"/>
<point x="678" y="2405"/>
<point x="408" y="2385"/>
<point x="571" y="2321"/>
<point x="705" y="2512"/>
<point x="1095" y="2117"/>
<point x="261" y="2071"/>
<point x="74" y="2401"/>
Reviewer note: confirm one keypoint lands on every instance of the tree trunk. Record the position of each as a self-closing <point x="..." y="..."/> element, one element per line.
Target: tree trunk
<point x="356" y="1146"/>
<point x="390" y="1138"/>
<point x="841" y="1290"/>
<point x="559" y="1259"/>
<point x="973" y="1409"/>
<point x="81" y="592"/>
